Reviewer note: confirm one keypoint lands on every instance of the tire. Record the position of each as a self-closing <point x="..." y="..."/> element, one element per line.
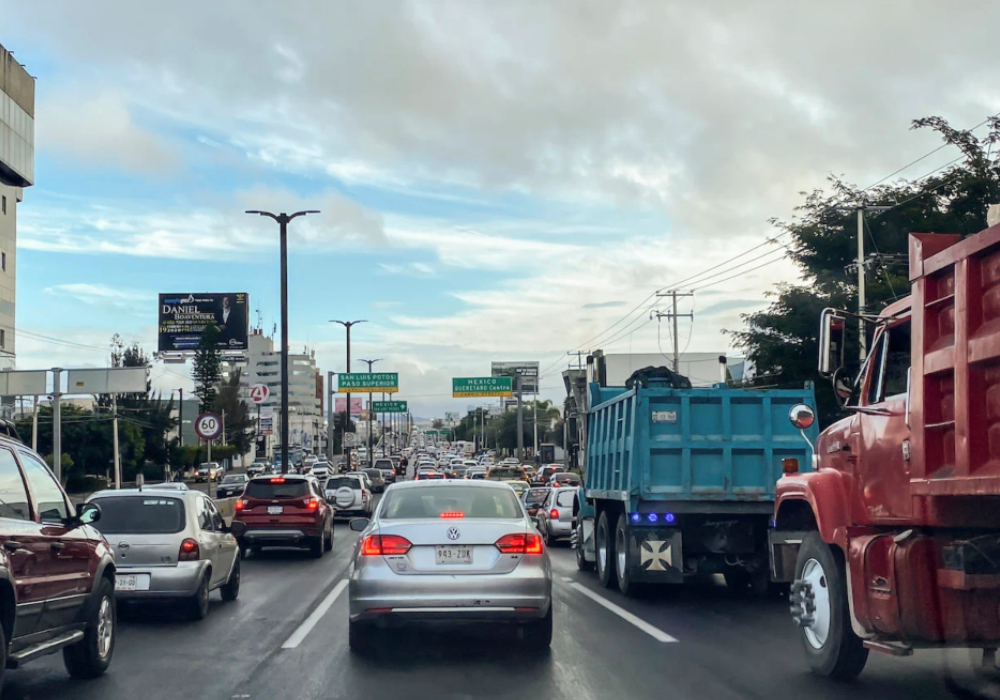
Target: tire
<point x="538" y="633"/>
<point x="3" y="656"/>
<point x="244" y="550"/>
<point x="603" y="539"/>
<point x="328" y="546"/>
<point x="318" y="546"/>
<point x="622" y="574"/>
<point x="820" y="582"/>
<point x="581" y="560"/>
<point x="91" y="656"/>
<point x="359" y="636"/>
<point x="549" y="540"/>
<point x="231" y="589"/>
<point x="198" y="605"/>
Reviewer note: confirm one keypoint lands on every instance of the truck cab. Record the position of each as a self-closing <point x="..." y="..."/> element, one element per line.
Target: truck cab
<point x="891" y="543"/>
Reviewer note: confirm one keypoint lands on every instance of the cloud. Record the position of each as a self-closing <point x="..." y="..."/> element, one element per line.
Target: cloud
<point x="101" y="295"/>
<point x="603" y="304"/>
<point x="100" y="130"/>
<point x="411" y="269"/>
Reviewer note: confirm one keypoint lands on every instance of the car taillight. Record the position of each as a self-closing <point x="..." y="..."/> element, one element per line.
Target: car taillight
<point x="189" y="550"/>
<point x="452" y="514"/>
<point x="554" y="514"/>
<point x="278" y="480"/>
<point x="375" y="545"/>
<point x="520" y="543"/>
<point x="240" y="504"/>
<point x="312" y="504"/>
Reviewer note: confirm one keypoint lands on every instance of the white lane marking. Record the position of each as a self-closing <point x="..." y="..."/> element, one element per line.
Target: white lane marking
<point x="307" y="625"/>
<point x="567" y="579"/>
<point x="654" y="632"/>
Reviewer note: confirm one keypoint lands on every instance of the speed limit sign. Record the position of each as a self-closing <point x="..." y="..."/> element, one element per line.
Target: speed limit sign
<point x="259" y="393"/>
<point x="208" y="426"/>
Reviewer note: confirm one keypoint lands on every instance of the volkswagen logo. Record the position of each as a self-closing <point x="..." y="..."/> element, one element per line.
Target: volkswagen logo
<point x="453" y="533"/>
<point x="123" y="545"/>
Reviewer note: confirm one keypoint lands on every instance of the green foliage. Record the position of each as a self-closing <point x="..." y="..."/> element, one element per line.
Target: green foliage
<point x="240" y="426"/>
<point x="782" y="340"/>
<point x="437" y="424"/>
<point x="207" y="369"/>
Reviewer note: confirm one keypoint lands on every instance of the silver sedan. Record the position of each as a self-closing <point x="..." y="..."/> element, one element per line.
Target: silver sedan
<point x="455" y="551"/>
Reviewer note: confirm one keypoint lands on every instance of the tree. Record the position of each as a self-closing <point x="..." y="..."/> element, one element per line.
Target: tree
<point x="207" y="367"/>
<point x="782" y="340"/>
<point x="240" y="426"/>
<point x="437" y="424"/>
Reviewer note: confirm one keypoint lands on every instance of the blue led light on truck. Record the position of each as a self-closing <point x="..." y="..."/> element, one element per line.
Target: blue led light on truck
<point x="669" y="517"/>
<point x="651" y="517"/>
<point x="635" y="517"/>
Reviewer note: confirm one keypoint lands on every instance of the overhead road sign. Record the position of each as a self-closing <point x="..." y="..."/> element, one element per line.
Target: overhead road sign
<point x="390" y="406"/>
<point x="119" y="380"/>
<point x="208" y="426"/>
<point x="466" y="387"/>
<point x="23" y="382"/>
<point x="183" y="318"/>
<point x="368" y="382"/>
<point x="527" y="371"/>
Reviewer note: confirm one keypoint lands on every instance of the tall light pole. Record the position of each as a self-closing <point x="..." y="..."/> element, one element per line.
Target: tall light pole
<point x="283" y="220"/>
<point x="343" y="442"/>
<point x="371" y="456"/>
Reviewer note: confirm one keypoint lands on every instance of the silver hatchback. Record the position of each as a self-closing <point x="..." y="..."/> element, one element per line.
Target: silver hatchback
<point x="169" y="545"/>
<point x="455" y="551"/>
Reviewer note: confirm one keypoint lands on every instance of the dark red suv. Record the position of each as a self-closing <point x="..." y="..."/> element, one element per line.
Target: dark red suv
<point x="57" y="573"/>
<point x="283" y="511"/>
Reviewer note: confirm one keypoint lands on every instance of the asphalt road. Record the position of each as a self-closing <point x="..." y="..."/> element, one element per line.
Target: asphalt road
<point x="726" y="647"/>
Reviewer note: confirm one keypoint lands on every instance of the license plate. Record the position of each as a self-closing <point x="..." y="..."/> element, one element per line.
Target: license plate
<point x="275" y="510"/>
<point x="453" y="555"/>
<point x="132" y="582"/>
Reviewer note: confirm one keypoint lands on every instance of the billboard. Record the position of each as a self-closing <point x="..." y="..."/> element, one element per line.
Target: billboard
<point x="183" y="317"/>
<point x="341" y="405"/>
<point x="528" y="371"/>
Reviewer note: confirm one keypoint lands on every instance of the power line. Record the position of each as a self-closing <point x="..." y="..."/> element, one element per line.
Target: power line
<point x="740" y="274"/>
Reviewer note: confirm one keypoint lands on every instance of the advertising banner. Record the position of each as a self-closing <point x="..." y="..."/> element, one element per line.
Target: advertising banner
<point x="340" y="405"/>
<point x="527" y="371"/>
<point x="266" y="420"/>
<point x="183" y="318"/>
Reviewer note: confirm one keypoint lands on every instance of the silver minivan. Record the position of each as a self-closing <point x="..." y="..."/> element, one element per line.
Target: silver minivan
<point x="169" y="545"/>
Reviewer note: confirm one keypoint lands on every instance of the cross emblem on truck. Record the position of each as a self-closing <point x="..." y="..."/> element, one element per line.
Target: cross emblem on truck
<point x="656" y="555"/>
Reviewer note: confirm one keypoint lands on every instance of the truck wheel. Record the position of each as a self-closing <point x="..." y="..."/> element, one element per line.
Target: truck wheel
<point x="819" y="606"/>
<point x="581" y="559"/>
<point x="625" y="584"/>
<point x="604" y="546"/>
<point x="91" y="656"/>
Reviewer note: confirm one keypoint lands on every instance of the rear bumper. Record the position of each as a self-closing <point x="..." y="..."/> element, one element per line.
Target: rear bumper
<point x="165" y="582"/>
<point x="376" y="592"/>
<point x="558" y="528"/>
<point x="278" y="537"/>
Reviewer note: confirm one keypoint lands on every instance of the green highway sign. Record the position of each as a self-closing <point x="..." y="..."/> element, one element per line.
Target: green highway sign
<point x="466" y="387"/>
<point x="368" y="382"/>
<point x="390" y="406"/>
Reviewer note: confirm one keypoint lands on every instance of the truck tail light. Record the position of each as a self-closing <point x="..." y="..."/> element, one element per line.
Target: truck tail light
<point x="520" y="543"/>
<point x="376" y="545"/>
<point x="190" y="551"/>
<point x="789" y="465"/>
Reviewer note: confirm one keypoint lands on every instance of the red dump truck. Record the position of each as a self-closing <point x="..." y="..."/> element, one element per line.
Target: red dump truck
<point x="893" y="542"/>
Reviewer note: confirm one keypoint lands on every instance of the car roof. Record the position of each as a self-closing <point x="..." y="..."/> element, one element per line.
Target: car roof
<point x="448" y="484"/>
<point x="159" y="493"/>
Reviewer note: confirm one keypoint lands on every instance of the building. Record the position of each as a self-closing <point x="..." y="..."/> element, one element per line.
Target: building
<point x="307" y="428"/>
<point x="17" y="171"/>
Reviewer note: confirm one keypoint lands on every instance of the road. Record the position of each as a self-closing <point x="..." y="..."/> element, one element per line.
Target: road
<point x="725" y="647"/>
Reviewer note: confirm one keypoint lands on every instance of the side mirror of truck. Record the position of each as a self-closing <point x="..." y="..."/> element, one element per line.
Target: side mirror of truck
<point x="802" y="416"/>
<point x="832" y="337"/>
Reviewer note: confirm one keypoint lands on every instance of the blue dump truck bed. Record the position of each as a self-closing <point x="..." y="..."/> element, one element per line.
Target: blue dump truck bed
<point x="664" y="444"/>
<point x="681" y="482"/>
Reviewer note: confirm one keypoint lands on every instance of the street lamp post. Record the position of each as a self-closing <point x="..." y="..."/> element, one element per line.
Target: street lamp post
<point x="371" y="456"/>
<point x="283" y="220"/>
<point x="343" y="441"/>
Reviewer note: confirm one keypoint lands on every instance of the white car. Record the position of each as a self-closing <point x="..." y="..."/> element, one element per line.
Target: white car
<point x="349" y="495"/>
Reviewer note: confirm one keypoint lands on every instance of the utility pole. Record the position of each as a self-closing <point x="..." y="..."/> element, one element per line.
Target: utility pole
<point x="673" y="315"/>
<point x="330" y="414"/>
<point x="283" y="219"/>
<point x="56" y="424"/>
<point x="114" y="441"/>
<point x="34" y="426"/>
<point x="371" y="456"/>
<point x="520" y="419"/>
<point x="347" y="422"/>
<point x="180" y="420"/>
<point x="579" y="360"/>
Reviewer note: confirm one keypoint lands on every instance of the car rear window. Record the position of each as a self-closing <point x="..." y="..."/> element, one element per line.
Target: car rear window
<point x="383" y="464"/>
<point x="277" y="488"/>
<point x="373" y="473"/>
<point x="336" y="482"/>
<point x="140" y="515"/>
<point x="506" y="473"/>
<point x="565" y="499"/>
<point x="470" y="501"/>
<point x="536" y="496"/>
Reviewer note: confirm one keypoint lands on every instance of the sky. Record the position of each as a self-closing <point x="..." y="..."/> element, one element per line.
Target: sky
<point x="497" y="181"/>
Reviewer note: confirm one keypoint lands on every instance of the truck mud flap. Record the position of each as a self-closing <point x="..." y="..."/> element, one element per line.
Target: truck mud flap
<point x="783" y="550"/>
<point x="655" y="555"/>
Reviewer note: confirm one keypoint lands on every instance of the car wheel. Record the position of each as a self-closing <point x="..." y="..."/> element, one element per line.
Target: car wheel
<point x="198" y="605"/>
<point x="91" y="656"/>
<point x="549" y="540"/>
<point x="819" y="606"/>
<point x="605" y="548"/>
<point x="538" y="633"/>
<point x="329" y="538"/>
<point x="581" y="559"/>
<point x="318" y="546"/>
<point x="359" y="636"/>
<point x="231" y="590"/>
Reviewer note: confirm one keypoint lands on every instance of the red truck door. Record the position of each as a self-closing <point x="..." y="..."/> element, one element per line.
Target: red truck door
<point x="882" y="484"/>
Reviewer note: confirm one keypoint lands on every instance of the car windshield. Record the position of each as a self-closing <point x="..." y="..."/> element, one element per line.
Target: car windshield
<point x="140" y="515"/>
<point x="277" y="488"/>
<point x="471" y="501"/>
<point x="506" y="473"/>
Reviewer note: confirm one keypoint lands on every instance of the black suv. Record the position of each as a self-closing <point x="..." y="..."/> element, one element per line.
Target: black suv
<point x="57" y="573"/>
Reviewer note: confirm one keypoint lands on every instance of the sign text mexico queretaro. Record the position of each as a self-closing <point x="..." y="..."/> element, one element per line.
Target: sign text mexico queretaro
<point x="527" y="371"/>
<point x="462" y="387"/>
<point x="368" y="382"/>
<point x="390" y="406"/>
<point x="183" y="318"/>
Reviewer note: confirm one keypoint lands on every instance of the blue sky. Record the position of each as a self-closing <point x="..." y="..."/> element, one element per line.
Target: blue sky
<point x="497" y="183"/>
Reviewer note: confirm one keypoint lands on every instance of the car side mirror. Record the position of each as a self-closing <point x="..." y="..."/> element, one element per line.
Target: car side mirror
<point x="88" y="513"/>
<point x="359" y="524"/>
<point x="832" y="337"/>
